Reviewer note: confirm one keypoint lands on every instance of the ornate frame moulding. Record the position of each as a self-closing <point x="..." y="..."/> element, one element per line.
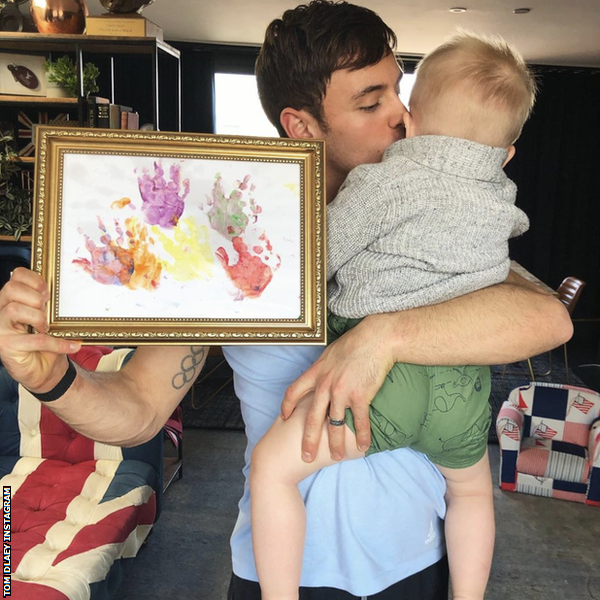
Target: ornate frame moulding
<point x="150" y="237"/>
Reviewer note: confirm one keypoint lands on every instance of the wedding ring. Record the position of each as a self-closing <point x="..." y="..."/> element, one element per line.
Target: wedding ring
<point x="335" y="422"/>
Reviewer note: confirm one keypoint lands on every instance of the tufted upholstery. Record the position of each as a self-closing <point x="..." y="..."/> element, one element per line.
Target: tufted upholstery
<point x="549" y="436"/>
<point x="77" y="507"/>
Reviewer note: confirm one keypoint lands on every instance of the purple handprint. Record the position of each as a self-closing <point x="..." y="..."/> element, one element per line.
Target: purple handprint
<point x="163" y="202"/>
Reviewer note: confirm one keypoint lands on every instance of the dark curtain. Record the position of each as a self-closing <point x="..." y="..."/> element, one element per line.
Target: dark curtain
<point x="197" y="91"/>
<point x="557" y="171"/>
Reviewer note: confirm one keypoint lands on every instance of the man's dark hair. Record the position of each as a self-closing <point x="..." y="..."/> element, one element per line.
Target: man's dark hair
<point x="303" y="49"/>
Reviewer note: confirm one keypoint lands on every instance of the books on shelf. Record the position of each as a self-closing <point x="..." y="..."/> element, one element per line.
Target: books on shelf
<point x="114" y="114"/>
<point x="122" y="25"/>
<point x="93" y="110"/>
<point x="104" y="114"/>
<point x="130" y="120"/>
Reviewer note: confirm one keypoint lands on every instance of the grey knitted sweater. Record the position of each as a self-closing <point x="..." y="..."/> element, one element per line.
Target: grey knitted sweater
<point x="429" y="223"/>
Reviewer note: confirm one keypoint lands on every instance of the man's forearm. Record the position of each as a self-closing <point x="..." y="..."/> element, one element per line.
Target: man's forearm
<point x="495" y="325"/>
<point x="499" y="324"/>
<point x="130" y="406"/>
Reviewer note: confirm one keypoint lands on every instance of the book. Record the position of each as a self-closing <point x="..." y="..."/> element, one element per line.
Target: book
<point x="114" y="114"/>
<point x="102" y="116"/>
<point x="130" y="120"/>
<point x="122" y="25"/>
<point x="92" y="110"/>
<point x="133" y="120"/>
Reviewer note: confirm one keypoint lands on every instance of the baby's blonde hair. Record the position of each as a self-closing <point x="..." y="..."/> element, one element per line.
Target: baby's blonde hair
<point x="473" y="87"/>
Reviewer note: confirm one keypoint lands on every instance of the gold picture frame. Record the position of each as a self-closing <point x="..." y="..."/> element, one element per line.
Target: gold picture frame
<point x="146" y="237"/>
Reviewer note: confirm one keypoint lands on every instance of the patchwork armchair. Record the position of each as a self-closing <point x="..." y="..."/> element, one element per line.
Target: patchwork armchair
<point x="77" y="507"/>
<point x="549" y="436"/>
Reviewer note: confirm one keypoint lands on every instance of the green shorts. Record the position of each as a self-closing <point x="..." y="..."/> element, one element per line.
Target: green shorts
<point x="442" y="412"/>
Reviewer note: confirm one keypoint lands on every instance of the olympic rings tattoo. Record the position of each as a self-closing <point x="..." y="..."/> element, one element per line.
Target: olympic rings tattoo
<point x="188" y="367"/>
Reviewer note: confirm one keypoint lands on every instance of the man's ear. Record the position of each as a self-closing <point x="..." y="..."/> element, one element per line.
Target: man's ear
<point x="409" y="125"/>
<point x="511" y="152"/>
<point x="299" y="124"/>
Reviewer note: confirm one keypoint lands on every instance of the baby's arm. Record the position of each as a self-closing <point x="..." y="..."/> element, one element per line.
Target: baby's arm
<point x="470" y="528"/>
<point x="277" y="508"/>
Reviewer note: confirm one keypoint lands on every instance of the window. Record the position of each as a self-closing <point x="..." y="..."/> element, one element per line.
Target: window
<point x="237" y="107"/>
<point x="406" y="85"/>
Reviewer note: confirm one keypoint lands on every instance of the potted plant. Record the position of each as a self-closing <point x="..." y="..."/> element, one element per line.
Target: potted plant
<point x="15" y="201"/>
<point x="63" y="72"/>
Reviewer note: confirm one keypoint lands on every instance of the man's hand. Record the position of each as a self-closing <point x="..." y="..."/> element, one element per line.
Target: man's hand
<point x="347" y="375"/>
<point x="33" y="359"/>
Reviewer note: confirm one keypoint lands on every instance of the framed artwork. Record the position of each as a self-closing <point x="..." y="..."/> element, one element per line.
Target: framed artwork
<point x="22" y="74"/>
<point x="150" y="237"/>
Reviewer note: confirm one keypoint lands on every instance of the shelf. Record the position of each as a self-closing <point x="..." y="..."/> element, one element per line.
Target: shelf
<point x="30" y="160"/>
<point x="25" y="239"/>
<point x="99" y="44"/>
<point x="8" y="99"/>
<point x="158" y="55"/>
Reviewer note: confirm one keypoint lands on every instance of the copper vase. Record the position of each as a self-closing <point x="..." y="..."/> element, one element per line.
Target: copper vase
<point x="59" y="16"/>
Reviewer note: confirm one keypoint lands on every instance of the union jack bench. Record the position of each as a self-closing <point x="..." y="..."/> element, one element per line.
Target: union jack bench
<point x="76" y="507"/>
<point x="549" y="436"/>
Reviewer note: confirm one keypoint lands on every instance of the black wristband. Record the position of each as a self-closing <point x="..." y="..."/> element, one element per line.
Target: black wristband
<point x="61" y="387"/>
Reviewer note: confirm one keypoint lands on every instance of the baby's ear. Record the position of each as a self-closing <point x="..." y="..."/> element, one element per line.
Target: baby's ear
<point x="511" y="152"/>
<point x="409" y="124"/>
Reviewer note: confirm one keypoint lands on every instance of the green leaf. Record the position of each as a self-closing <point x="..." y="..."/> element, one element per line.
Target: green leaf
<point x="64" y="72"/>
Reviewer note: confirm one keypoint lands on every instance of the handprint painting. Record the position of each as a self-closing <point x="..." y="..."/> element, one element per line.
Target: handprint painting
<point x="214" y="239"/>
<point x="175" y="237"/>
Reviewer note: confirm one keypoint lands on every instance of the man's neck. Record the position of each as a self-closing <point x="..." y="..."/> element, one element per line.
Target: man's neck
<point x="334" y="182"/>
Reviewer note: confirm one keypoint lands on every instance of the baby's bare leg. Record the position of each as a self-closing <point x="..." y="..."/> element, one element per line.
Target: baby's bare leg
<point x="277" y="508"/>
<point x="470" y="528"/>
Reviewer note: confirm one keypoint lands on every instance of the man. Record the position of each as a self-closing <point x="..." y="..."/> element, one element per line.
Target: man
<point x="326" y="71"/>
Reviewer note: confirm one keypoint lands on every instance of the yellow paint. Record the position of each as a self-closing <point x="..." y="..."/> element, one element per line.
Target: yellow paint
<point x="293" y="187"/>
<point x="190" y="248"/>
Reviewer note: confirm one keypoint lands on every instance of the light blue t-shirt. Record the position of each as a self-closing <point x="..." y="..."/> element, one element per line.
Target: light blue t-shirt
<point x="370" y="522"/>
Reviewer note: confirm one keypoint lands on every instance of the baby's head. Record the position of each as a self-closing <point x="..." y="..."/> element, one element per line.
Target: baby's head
<point x="473" y="87"/>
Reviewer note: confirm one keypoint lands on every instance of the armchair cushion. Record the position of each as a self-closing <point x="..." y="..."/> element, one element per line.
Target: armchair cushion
<point x="77" y="506"/>
<point x="559" y="460"/>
